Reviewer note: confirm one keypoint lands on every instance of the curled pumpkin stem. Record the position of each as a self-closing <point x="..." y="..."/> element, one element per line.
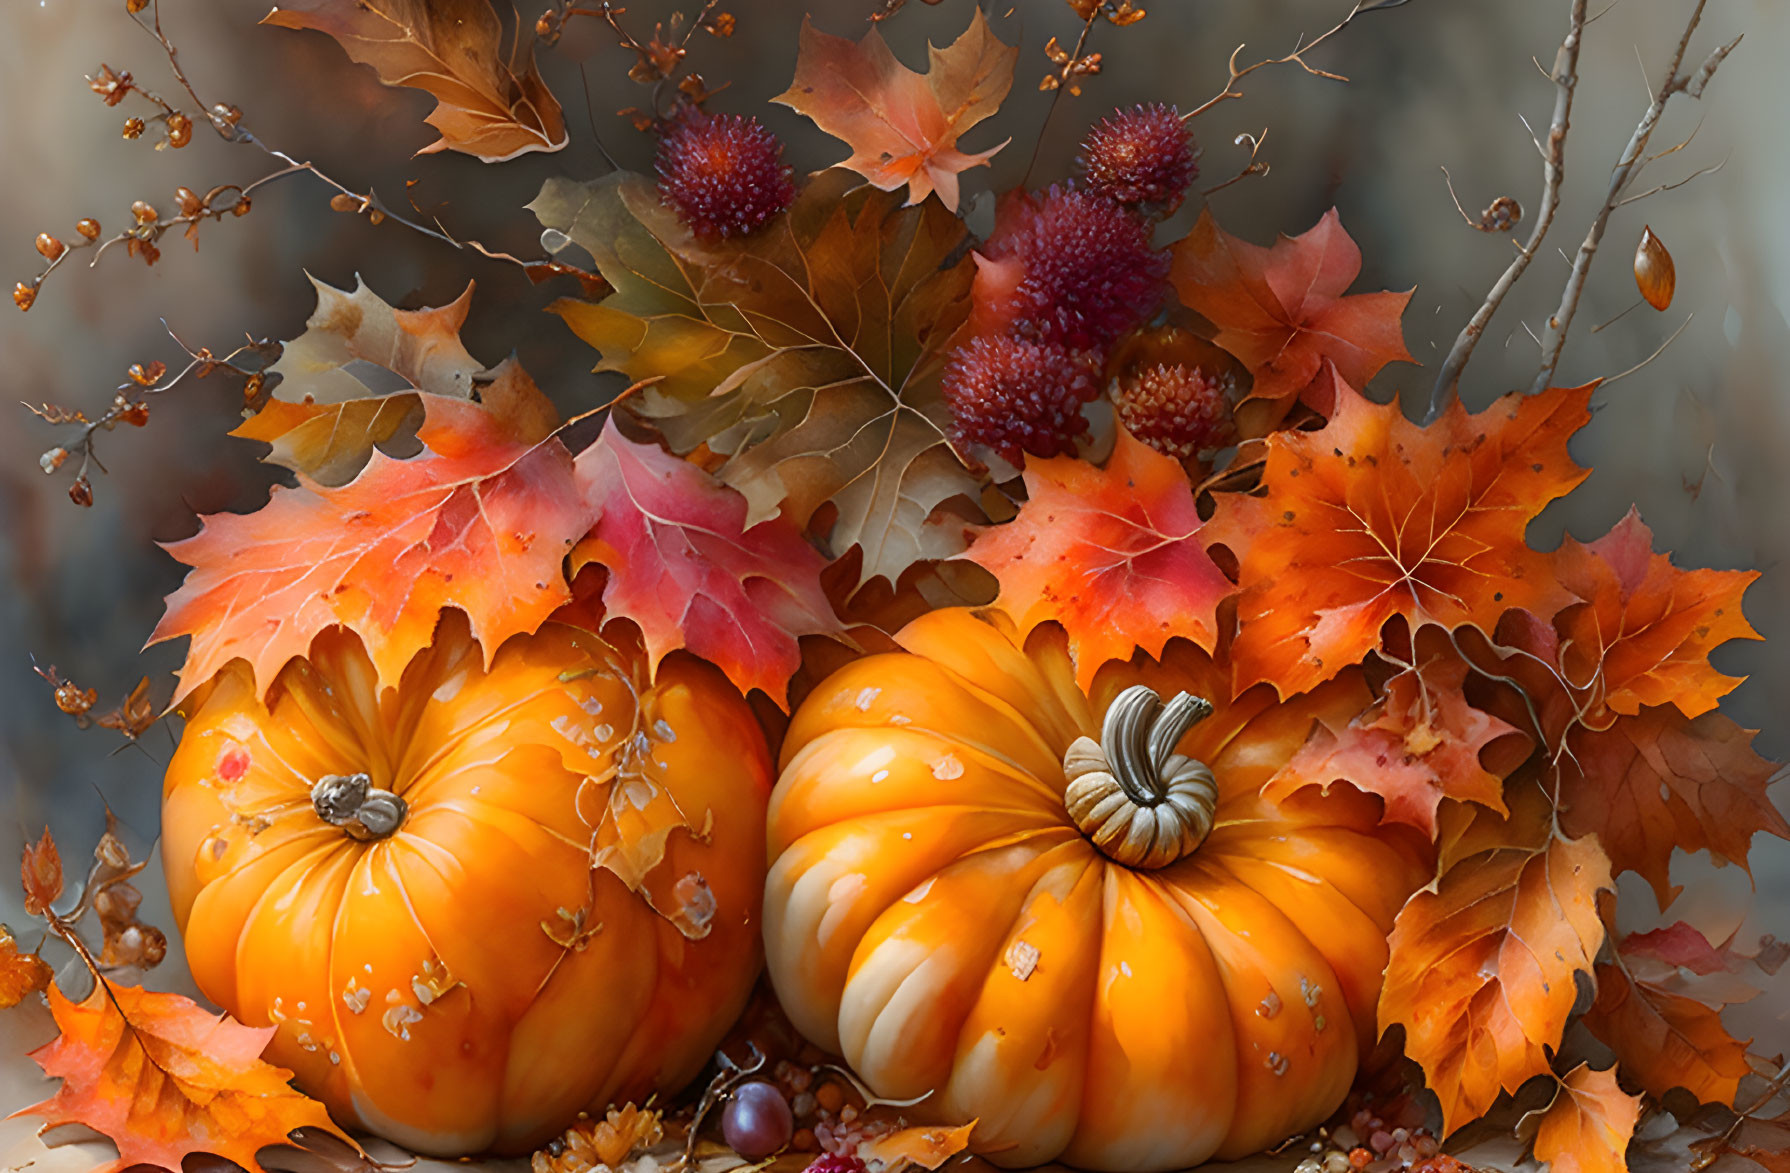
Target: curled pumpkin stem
<point x="353" y="803"/>
<point x="1140" y="802"/>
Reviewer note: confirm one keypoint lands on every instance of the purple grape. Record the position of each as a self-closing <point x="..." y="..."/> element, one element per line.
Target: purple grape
<point x="757" y="1121"/>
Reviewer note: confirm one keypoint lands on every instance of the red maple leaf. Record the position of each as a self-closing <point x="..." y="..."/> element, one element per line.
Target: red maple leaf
<point x="1646" y="628"/>
<point x="1418" y="744"/>
<point x="1372" y="516"/>
<point x="1113" y="554"/>
<point x="1283" y="311"/>
<point x="481" y="522"/>
<point x="684" y="566"/>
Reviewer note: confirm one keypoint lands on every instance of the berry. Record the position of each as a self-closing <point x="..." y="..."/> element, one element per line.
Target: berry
<point x="1090" y="273"/>
<point x="1176" y="409"/>
<point x="833" y="1163"/>
<point x="1018" y="396"/>
<point x="1140" y="156"/>
<point x="757" y="1121"/>
<point x="724" y="174"/>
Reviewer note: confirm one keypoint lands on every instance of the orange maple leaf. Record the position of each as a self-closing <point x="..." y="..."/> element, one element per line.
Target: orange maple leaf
<point x="1481" y="974"/>
<point x="487" y="103"/>
<point x="687" y="569"/>
<point x="1663" y="1028"/>
<point x="1418" y="744"/>
<point x="1114" y="554"/>
<point x="480" y="522"/>
<point x="163" y="1078"/>
<point x="1658" y="782"/>
<point x="21" y="974"/>
<point x="1372" y="516"/>
<point x="1646" y="628"/>
<point x="1588" y="1126"/>
<point x="1282" y="311"/>
<point x="903" y="126"/>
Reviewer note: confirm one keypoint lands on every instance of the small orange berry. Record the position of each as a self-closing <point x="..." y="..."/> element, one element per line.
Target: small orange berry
<point x="81" y="493"/>
<point x="343" y="202"/>
<point x="143" y="212"/>
<point x="189" y="201"/>
<point x="375" y="216"/>
<point x="241" y="207"/>
<point x="147" y="376"/>
<point x="88" y="227"/>
<point x="23" y="295"/>
<point x="180" y="130"/>
<point x="49" y="246"/>
<point x="135" y="6"/>
<point x="133" y="127"/>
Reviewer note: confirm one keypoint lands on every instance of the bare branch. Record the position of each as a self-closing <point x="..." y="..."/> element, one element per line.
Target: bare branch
<point x="1627" y="169"/>
<point x="1255" y="166"/>
<point x="1457" y="199"/>
<point x="1566" y="78"/>
<point x="1296" y="57"/>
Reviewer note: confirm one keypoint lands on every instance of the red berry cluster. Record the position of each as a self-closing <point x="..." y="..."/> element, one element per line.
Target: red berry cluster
<point x="1017" y="396"/>
<point x="1141" y="157"/>
<point x="724" y="174"/>
<point x="1177" y="409"/>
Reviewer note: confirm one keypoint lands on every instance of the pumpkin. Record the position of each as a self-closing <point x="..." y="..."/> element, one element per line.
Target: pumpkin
<point x="1073" y="918"/>
<point x="483" y="900"/>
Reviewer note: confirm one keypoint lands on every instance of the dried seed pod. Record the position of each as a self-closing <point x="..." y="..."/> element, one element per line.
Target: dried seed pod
<point x="49" y="247"/>
<point x="180" y="130"/>
<point x="24" y="295"/>
<point x="1655" y="275"/>
<point x="133" y="127"/>
<point x="88" y="227"/>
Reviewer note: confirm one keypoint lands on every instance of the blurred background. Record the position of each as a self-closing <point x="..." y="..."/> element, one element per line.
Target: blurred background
<point x="1699" y="439"/>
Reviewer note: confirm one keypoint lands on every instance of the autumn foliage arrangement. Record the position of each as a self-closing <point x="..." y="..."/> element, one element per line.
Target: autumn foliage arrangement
<point x="1165" y="749"/>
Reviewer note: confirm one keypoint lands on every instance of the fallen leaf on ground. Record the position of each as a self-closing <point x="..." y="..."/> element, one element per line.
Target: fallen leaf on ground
<point x="1589" y="1124"/>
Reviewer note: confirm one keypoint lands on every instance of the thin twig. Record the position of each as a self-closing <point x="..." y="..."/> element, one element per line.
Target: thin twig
<point x="1653" y="191"/>
<point x="1654" y="355"/>
<point x="1627" y="168"/>
<point x="1296" y="57"/>
<point x="1449" y="179"/>
<point x="1566" y="80"/>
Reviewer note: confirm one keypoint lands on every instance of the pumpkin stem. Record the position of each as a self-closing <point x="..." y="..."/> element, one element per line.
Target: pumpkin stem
<point x="1140" y="802"/>
<point x="353" y="803"/>
<point x="1140" y="734"/>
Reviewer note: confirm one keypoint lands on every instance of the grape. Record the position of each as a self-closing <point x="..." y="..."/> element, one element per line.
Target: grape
<point x="757" y="1121"/>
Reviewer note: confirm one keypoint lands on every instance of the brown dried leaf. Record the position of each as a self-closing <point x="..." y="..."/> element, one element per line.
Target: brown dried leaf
<point x="488" y="105"/>
<point x="1655" y="275"/>
<point x="40" y="871"/>
<point x="21" y="974"/>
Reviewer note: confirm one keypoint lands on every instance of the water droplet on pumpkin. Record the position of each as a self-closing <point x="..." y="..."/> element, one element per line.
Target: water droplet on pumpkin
<point x="866" y="698"/>
<point x="397" y="1021"/>
<point x="604" y="732"/>
<point x="1022" y="959"/>
<point x="1278" y="1063"/>
<point x="663" y="730"/>
<point x="1310" y="990"/>
<point x="1125" y="968"/>
<point x="947" y="768"/>
<point x="1270" y="1006"/>
<point x="878" y="776"/>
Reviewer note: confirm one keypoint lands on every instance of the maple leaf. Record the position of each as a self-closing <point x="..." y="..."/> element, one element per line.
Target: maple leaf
<point x="1646" y="628"/>
<point x="807" y="355"/>
<point x="1664" y="1037"/>
<point x="687" y="569"/>
<point x="21" y="974"/>
<point x="902" y="126"/>
<point x="1113" y="554"/>
<point x="162" y="1078"/>
<point x="1588" y="1126"/>
<point x="486" y="105"/>
<point x="347" y="384"/>
<point x="1372" y="516"/>
<point x="1419" y="743"/>
<point x="40" y="872"/>
<point x="480" y="522"/>
<point x="1658" y="781"/>
<point x="1282" y="311"/>
<point x="1483" y="967"/>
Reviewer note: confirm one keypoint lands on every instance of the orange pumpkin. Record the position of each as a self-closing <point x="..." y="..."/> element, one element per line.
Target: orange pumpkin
<point x="1073" y="918"/>
<point x="423" y="887"/>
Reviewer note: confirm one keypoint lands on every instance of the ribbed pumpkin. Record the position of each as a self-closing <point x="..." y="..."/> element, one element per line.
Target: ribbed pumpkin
<point x="402" y="880"/>
<point x="1072" y="918"/>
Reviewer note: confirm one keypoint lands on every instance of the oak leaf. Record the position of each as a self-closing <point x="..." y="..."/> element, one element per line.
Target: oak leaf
<point x="480" y="522"/>
<point x="163" y="1078"/>
<point x="806" y="356"/>
<point x="1646" y="628"/>
<point x="686" y="568"/>
<point x="1372" y="516"/>
<point x="902" y="126"/>
<point x="1485" y="966"/>
<point x="347" y="384"/>
<point x="1658" y="782"/>
<point x="487" y="103"/>
<point x="40" y="872"/>
<point x="1113" y="554"/>
<point x="1419" y="743"/>
<point x="21" y="974"/>
<point x="1589" y="1124"/>
<point x="1283" y="311"/>
<point x="1662" y="1036"/>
